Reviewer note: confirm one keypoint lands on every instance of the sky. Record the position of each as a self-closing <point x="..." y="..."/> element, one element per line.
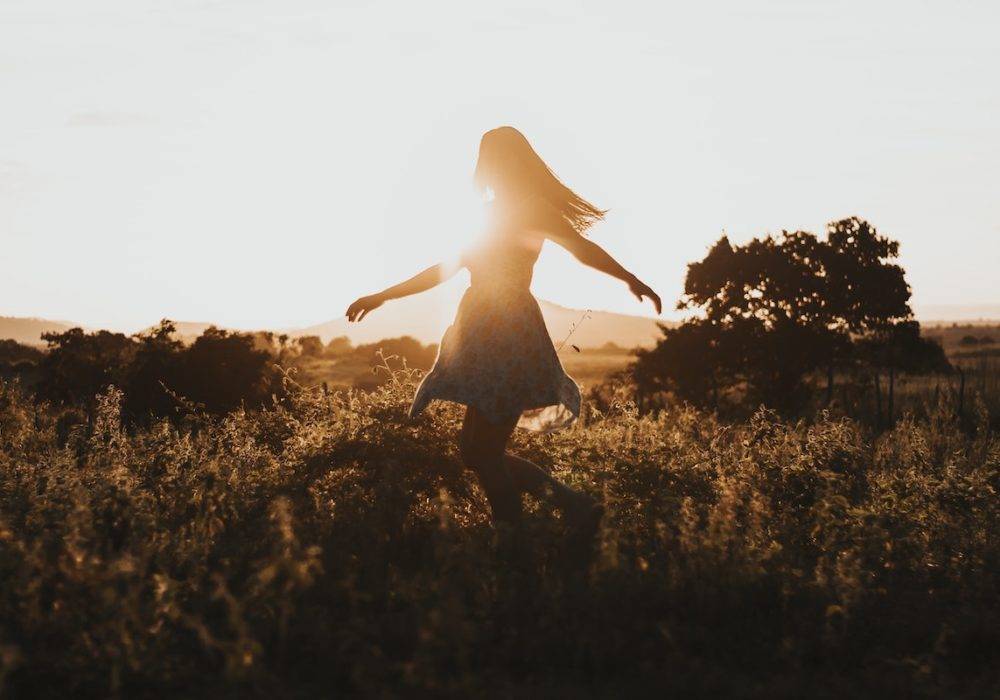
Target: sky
<point x="261" y="164"/>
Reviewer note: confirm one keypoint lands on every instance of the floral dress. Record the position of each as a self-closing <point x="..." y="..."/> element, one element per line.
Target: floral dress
<point x="497" y="355"/>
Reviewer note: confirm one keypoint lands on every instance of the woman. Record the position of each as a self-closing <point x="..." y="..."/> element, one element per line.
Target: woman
<point x="497" y="357"/>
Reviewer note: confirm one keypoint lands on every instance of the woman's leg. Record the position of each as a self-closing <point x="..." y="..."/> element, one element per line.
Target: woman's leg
<point x="482" y="444"/>
<point x="505" y="477"/>
<point x="528" y="477"/>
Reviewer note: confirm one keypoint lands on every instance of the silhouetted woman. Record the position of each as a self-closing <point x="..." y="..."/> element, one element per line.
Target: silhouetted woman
<point x="497" y="357"/>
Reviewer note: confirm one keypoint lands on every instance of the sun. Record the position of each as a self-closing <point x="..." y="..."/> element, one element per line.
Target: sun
<point x="459" y="228"/>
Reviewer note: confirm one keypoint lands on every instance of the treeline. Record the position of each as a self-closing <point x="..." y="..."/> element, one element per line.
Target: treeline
<point x="395" y="351"/>
<point x="220" y="371"/>
<point x="216" y="373"/>
<point x="778" y="313"/>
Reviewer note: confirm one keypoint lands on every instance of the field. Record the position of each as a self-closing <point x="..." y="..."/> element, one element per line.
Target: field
<point x="327" y="546"/>
<point x="589" y="366"/>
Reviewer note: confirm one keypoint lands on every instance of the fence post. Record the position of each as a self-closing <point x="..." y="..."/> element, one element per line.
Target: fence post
<point x="892" y="392"/>
<point x="829" y="384"/>
<point x="961" y="392"/>
<point x="878" y="401"/>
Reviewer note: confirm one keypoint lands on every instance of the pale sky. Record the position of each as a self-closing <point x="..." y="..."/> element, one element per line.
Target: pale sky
<point x="260" y="164"/>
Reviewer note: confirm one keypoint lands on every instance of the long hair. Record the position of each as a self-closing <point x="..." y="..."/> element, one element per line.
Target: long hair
<point x="507" y="159"/>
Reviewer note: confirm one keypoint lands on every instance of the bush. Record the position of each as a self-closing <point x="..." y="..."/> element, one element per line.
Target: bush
<point x="326" y="545"/>
<point x="220" y="371"/>
<point x="80" y="365"/>
<point x="12" y="352"/>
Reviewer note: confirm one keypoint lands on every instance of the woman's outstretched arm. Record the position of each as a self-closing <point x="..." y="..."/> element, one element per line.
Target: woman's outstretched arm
<point x="421" y="282"/>
<point x="593" y="255"/>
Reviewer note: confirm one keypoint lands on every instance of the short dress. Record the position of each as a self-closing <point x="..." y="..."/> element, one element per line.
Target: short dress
<point x="497" y="355"/>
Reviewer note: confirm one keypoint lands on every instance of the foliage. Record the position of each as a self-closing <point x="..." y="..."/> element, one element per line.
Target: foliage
<point x="18" y="360"/>
<point x="901" y="347"/>
<point x="417" y="355"/>
<point x="310" y="345"/>
<point x="220" y="371"/>
<point x="776" y="310"/>
<point x="325" y="545"/>
<point x="79" y="365"/>
<point x="12" y="352"/>
<point x="341" y="345"/>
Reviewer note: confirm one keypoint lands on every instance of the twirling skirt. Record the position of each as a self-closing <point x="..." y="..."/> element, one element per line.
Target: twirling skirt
<point x="498" y="357"/>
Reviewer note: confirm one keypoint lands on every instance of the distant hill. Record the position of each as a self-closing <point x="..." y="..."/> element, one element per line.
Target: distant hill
<point x="29" y="330"/>
<point x="423" y="317"/>
<point x="946" y="314"/>
<point x="601" y="327"/>
<point x="426" y="318"/>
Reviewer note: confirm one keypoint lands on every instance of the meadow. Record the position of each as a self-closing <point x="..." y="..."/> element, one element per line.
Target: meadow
<point x="588" y="366"/>
<point x="326" y="545"/>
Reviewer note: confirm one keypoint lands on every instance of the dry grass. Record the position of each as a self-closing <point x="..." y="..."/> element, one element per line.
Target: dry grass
<point x="327" y="546"/>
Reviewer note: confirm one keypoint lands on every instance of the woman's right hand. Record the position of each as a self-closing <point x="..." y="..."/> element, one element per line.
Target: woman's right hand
<point x="363" y="306"/>
<point x="640" y="289"/>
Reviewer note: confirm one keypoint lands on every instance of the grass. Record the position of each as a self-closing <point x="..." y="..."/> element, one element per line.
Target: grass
<point x="329" y="546"/>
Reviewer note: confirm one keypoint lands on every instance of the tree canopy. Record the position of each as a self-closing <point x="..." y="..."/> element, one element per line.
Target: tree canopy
<point x="777" y="308"/>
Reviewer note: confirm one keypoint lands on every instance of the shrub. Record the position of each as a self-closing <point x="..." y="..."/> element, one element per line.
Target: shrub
<point x="325" y="544"/>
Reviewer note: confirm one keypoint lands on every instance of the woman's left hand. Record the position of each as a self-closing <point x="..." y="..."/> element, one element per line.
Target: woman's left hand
<point x="642" y="290"/>
<point x="364" y="306"/>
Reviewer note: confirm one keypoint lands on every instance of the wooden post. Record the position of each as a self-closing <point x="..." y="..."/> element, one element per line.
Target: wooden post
<point x="961" y="391"/>
<point x="878" y="401"/>
<point x="829" y="384"/>
<point x="892" y="386"/>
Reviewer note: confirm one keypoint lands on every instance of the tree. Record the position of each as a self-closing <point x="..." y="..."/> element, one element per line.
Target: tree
<point x="865" y="292"/>
<point x="223" y="370"/>
<point x="155" y="370"/>
<point x="310" y="345"/>
<point x="341" y="345"/>
<point x="12" y="351"/>
<point x="763" y="326"/>
<point x="775" y="310"/>
<point x="220" y="370"/>
<point x="693" y="361"/>
<point x="399" y="350"/>
<point x="79" y="365"/>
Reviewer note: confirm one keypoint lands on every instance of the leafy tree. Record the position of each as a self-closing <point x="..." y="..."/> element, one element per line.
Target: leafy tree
<point x="79" y="365"/>
<point x="775" y="310"/>
<point x="691" y="361"/>
<point x="154" y="369"/>
<point x="341" y="345"/>
<point x="310" y="345"/>
<point x="864" y="291"/>
<point x="399" y="350"/>
<point x="12" y="351"/>
<point x="223" y="370"/>
<point x="220" y="370"/>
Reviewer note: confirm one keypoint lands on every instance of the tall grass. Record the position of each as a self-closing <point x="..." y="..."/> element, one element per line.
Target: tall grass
<point x="327" y="545"/>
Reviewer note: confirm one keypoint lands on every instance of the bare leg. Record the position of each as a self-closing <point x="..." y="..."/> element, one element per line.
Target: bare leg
<point x="528" y="477"/>
<point x="482" y="446"/>
<point x="505" y="477"/>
